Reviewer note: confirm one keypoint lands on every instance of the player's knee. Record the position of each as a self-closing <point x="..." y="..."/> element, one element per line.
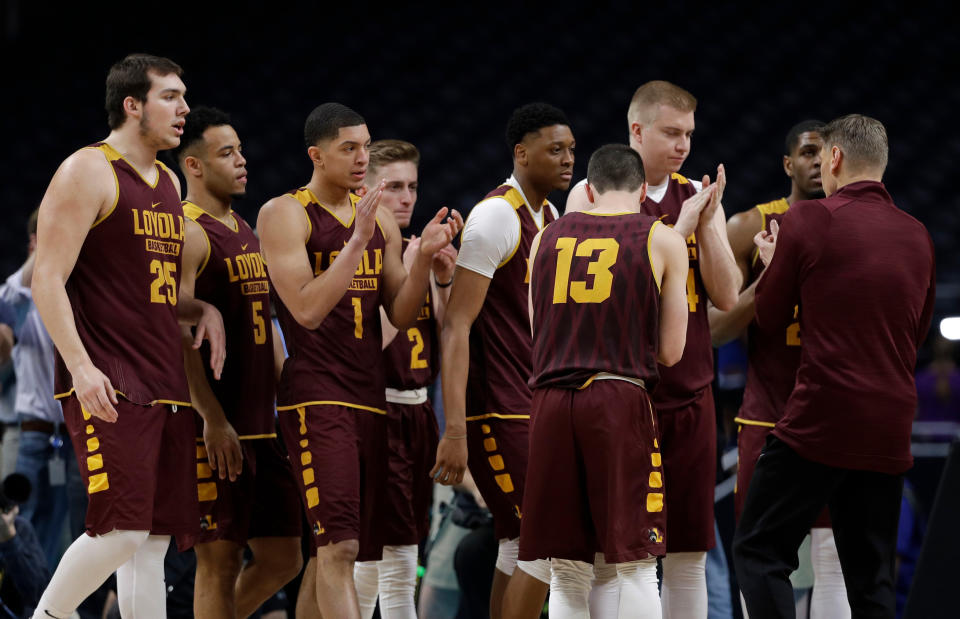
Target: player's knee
<point x="338" y="554"/>
<point x="279" y="559"/>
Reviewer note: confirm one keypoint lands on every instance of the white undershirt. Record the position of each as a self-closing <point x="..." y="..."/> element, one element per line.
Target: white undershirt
<point x="654" y="192"/>
<point x="492" y="232"/>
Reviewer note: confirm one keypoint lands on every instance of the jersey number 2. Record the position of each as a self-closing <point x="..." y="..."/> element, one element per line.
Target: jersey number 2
<point x="599" y="292"/>
<point x="416" y="363"/>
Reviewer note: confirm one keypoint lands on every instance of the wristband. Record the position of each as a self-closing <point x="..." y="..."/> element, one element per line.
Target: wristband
<point x="439" y="285"/>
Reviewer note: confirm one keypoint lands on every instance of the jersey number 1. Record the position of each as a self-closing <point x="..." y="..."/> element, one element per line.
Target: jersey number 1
<point x="599" y="292"/>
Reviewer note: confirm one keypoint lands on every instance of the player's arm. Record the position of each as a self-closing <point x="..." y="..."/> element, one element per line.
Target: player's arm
<point x="444" y="266"/>
<point x="466" y="300"/>
<point x="81" y="191"/>
<point x="577" y="199"/>
<point x="789" y="248"/>
<point x="726" y="326"/>
<point x="534" y="248"/>
<point x="223" y="446"/>
<point x="722" y="278"/>
<point x="670" y="265"/>
<point x="279" y="356"/>
<point x="405" y="291"/>
<point x="284" y="229"/>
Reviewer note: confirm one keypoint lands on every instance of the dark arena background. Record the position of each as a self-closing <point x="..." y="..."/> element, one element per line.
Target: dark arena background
<point x="446" y="77"/>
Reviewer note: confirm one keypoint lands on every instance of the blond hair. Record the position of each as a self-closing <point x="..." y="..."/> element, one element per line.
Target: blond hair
<point x="863" y="141"/>
<point x="644" y="104"/>
<point x="385" y="152"/>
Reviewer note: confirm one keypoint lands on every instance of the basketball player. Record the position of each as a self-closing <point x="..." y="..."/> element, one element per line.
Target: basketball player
<point x="333" y="259"/>
<point x="863" y="274"/>
<point x="486" y="328"/>
<point x="411" y="361"/>
<point x="773" y="358"/>
<point x="110" y="238"/>
<point x="660" y="121"/>
<point x="607" y="302"/>
<point x="252" y="498"/>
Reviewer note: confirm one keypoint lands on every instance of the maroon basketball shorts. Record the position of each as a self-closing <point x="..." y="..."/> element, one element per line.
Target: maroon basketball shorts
<point x="497" y="457"/>
<point x="262" y="502"/>
<point x="139" y="471"/>
<point x="594" y="480"/>
<point x="338" y="454"/>
<point x="412" y="452"/>
<point x="750" y="441"/>
<point x="689" y="438"/>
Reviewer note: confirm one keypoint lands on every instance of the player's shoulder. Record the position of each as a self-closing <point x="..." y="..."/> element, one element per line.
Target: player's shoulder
<point x="93" y="159"/>
<point x="751" y="219"/>
<point x="192" y="212"/>
<point x="680" y="179"/>
<point x="774" y="207"/>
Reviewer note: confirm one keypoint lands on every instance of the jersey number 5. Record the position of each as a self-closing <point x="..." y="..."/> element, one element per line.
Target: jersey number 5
<point x="259" y="326"/>
<point x="600" y="269"/>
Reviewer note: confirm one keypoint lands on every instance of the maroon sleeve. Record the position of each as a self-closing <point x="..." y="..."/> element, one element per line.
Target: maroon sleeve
<point x="927" y="316"/>
<point x="798" y="245"/>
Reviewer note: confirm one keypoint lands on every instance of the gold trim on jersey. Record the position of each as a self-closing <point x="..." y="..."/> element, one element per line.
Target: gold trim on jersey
<point x="650" y="253"/>
<point x="303" y="197"/>
<point x="592" y="214"/>
<point x="291" y="407"/>
<point x="354" y="199"/>
<point x="113" y="155"/>
<point x="251" y="437"/>
<point x="751" y="422"/>
<point x="116" y="186"/>
<point x="193" y="211"/>
<point x="496" y="416"/>
<point x="60" y="396"/>
<point x="206" y="237"/>
<point x="774" y="207"/>
<point x="680" y="178"/>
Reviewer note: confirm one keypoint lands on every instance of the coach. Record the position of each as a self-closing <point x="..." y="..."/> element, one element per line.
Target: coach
<point x="862" y="272"/>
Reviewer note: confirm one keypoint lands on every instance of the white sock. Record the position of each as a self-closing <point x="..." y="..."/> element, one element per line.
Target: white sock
<point x="141" y="593"/>
<point x="639" y="598"/>
<point x="685" y="585"/>
<point x="86" y="564"/>
<point x="398" y="581"/>
<point x="605" y="589"/>
<point x="507" y="552"/>
<point x="365" y="576"/>
<point x="829" y="591"/>
<point x="569" y="590"/>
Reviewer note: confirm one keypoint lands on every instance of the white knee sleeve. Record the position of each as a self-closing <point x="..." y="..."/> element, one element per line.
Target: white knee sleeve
<point x="398" y="581"/>
<point x="605" y="588"/>
<point x="507" y="555"/>
<point x="86" y="564"/>
<point x="829" y="591"/>
<point x="365" y="578"/>
<point x="639" y="597"/>
<point x="569" y="589"/>
<point x="684" y="592"/>
<point x="539" y="569"/>
<point x="140" y="586"/>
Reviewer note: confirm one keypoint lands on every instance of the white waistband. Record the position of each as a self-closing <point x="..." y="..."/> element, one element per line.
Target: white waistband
<point x="407" y="396"/>
<point x="608" y="376"/>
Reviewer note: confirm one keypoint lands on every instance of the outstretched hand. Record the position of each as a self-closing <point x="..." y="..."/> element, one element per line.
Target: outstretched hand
<point x="717" y="197"/>
<point x="766" y="242"/>
<point x="440" y="231"/>
<point x="365" y="221"/>
<point x="692" y="207"/>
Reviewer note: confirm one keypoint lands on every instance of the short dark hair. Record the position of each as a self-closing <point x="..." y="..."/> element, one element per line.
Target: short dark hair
<point x="198" y="120"/>
<point x="863" y="140"/>
<point x="326" y="120"/>
<point x="793" y="136"/>
<point x="531" y="118"/>
<point x="615" y="167"/>
<point x="129" y="78"/>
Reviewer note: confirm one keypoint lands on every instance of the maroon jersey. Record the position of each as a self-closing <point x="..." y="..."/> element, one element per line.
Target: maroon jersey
<point x="596" y="303"/>
<point x="412" y="359"/>
<point x="862" y="271"/>
<point x="341" y="361"/>
<point x="682" y="383"/>
<point x="500" y="343"/>
<point x="123" y="289"/>
<point x="773" y="358"/>
<point x="233" y="279"/>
